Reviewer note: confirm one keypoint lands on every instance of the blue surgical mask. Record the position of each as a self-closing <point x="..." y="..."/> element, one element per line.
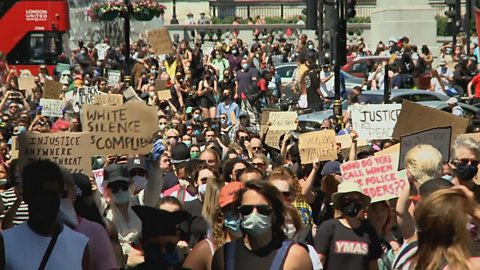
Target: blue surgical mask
<point x="232" y="223"/>
<point x="187" y="143"/>
<point x="202" y="189"/>
<point x="121" y="197"/>
<point x="448" y="177"/>
<point x="245" y="66"/>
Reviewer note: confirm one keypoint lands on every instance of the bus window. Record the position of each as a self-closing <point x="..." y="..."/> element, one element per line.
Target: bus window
<point x="37" y="49"/>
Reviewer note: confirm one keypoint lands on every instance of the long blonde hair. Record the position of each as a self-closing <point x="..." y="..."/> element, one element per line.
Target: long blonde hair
<point x="210" y="201"/>
<point x="443" y="237"/>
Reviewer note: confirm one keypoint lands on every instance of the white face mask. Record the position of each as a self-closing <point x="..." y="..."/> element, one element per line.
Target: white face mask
<point x="289" y="230"/>
<point x="139" y="182"/>
<point x="202" y="189"/>
<point x="66" y="213"/>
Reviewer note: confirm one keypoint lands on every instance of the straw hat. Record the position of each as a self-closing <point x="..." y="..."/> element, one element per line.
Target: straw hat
<point x="348" y="187"/>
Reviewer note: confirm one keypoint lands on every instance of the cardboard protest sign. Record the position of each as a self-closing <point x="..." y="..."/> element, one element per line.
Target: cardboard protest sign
<point x="14" y="151"/>
<point x="52" y="107"/>
<point x="52" y="89"/>
<point x="375" y="121"/>
<point x="26" y="83"/>
<point x="160" y="41"/>
<point x="317" y="145"/>
<point x="345" y="141"/>
<point x="273" y="138"/>
<point x="282" y="120"/>
<point x="475" y="136"/>
<point x="437" y="137"/>
<point x="377" y="176"/>
<point x="130" y="95"/>
<point x="414" y="118"/>
<point x="114" y="77"/>
<point x="110" y="99"/>
<point x="125" y="129"/>
<point x="160" y="85"/>
<point x="69" y="150"/>
<point x="164" y="95"/>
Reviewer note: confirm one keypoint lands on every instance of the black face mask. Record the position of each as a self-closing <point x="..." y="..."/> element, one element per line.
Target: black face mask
<point x="465" y="171"/>
<point x="351" y="209"/>
<point x="154" y="255"/>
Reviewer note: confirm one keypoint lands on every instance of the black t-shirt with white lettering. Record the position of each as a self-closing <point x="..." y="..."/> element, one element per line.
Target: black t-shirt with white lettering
<point x="347" y="248"/>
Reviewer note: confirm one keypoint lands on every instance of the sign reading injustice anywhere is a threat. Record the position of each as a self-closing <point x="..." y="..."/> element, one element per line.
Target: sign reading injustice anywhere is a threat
<point x="69" y="150"/>
<point x="125" y="129"/>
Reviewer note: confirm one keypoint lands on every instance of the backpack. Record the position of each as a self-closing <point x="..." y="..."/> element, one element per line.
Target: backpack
<point x="229" y="255"/>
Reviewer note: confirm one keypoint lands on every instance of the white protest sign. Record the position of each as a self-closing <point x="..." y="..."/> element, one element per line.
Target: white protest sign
<point x="437" y="137"/>
<point x="377" y="176"/>
<point x="114" y="77"/>
<point x="98" y="175"/>
<point x="82" y="95"/>
<point x="52" y="107"/>
<point x="375" y="121"/>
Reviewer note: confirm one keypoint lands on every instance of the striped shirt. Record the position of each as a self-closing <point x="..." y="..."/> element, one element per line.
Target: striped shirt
<point x="8" y="198"/>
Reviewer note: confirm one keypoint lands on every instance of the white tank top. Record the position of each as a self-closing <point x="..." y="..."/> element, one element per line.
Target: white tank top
<point x="24" y="249"/>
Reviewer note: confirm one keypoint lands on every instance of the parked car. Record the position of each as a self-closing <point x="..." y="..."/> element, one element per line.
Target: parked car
<point x="469" y="110"/>
<point x="312" y="121"/>
<point x="286" y="72"/>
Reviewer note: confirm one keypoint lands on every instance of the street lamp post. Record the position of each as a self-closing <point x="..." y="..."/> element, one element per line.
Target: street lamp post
<point x="126" y="27"/>
<point x="174" y="19"/>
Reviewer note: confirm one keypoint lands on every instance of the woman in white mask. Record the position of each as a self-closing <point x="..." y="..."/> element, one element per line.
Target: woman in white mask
<point x="193" y="198"/>
<point x="137" y="168"/>
<point x="264" y="244"/>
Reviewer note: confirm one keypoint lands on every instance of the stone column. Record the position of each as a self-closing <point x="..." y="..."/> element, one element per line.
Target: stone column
<point x="396" y="18"/>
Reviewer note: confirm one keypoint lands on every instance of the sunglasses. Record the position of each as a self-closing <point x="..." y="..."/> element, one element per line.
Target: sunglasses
<point x="323" y="128"/>
<point x="256" y="148"/>
<point x="262" y="209"/>
<point x="173" y="137"/>
<point x="352" y="198"/>
<point x="117" y="186"/>
<point x="258" y="164"/>
<point x="223" y="118"/>
<point x="473" y="162"/>
<point x="243" y="137"/>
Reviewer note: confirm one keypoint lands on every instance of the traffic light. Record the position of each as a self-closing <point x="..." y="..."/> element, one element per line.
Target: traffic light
<point x="350" y="9"/>
<point x="327" y="47"/>
<point x="312" y="15"/>
<point x="341" y="43"/>
<point x="451" y="13"/>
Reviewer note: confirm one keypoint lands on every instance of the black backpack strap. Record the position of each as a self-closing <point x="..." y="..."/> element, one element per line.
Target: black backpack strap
<point x="281" y="255"/>
<point x="229" y="256"/>
<point x="50" y="247"/>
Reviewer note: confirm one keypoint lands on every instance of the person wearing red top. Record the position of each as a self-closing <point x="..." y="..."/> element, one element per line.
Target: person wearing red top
<point x="475" y="97"/>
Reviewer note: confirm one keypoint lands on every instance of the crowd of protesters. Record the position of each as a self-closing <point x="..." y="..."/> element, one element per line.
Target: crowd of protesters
<point x="212" y="194"/>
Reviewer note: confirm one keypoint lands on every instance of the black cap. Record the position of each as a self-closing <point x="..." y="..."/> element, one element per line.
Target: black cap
<point x="180" y="153"/>
<point x="115" y="172"/>
<point x="137" y="163"/>
<point x="157" y="222"/>
<point x="83" y="187"/>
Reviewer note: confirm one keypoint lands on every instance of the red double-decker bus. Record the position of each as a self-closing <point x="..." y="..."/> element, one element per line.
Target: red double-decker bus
<point x="33" y="32"/>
